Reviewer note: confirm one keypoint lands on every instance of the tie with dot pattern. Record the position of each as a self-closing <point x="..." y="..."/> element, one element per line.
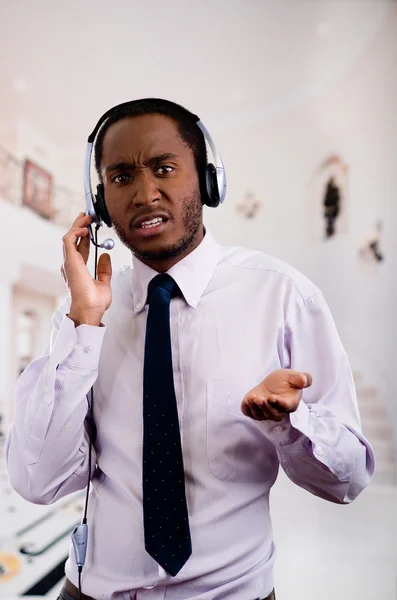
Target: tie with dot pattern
<point x="165" y="516"/>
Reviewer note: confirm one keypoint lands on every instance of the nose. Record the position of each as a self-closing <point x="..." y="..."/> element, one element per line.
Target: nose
<point x="145" y="189"/>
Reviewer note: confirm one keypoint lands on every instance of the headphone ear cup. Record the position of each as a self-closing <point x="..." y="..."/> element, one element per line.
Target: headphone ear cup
<point x="100" y="205"/>
<point x="211" y="186"/>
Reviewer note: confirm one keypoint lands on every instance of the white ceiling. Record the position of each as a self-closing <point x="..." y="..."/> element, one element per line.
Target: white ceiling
<point x="65" y="62"/>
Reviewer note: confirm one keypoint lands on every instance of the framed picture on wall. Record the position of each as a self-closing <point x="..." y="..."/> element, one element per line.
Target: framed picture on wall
<point x="37" y="189"/>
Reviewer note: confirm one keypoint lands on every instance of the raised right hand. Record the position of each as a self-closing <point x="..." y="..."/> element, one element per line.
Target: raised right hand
<point x="90" y="298"/>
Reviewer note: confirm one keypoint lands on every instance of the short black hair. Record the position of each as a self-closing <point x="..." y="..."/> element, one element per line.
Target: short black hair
<point x="184" y="119"/>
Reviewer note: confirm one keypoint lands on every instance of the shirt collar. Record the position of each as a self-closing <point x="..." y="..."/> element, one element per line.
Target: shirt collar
<point x="192" y="273"/>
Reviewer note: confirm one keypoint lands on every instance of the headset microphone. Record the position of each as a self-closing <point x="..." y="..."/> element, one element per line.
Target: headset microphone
<point x="107" y="244"/>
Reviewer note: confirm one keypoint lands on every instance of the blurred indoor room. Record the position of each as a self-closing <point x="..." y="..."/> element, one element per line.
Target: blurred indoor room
<point x="301" y="97"/>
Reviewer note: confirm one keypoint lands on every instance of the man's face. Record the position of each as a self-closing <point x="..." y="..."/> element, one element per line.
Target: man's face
<point x="152" y="189"/>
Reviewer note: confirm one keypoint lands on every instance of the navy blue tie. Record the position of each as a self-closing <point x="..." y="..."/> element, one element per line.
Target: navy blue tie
<point x="165" y="516"/>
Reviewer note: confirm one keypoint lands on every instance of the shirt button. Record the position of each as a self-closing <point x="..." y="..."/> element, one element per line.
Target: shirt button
<point x="318" y="450"/>
<point x="138" y="306"/>
<point x="88" y="348"/>
<point x="278" y="429"/>
<point x="48" y="398"/>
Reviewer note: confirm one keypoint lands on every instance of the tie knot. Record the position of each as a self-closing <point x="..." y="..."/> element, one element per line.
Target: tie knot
<point x="163" y="281"/>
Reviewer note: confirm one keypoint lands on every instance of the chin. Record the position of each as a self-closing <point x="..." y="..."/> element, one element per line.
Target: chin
<point x="168" y="244"/>
<point x="155" y="244"/>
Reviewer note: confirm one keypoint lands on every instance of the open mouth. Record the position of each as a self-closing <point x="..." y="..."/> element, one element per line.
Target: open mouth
<point x="152" y="223"/>
<point x="152" y="226"/>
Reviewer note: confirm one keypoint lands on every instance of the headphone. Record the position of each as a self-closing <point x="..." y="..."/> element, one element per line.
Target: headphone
<point x="213" y="179"/>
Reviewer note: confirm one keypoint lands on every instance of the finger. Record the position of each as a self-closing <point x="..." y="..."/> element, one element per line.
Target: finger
<point x="104" y="269"/>
<point x="63" y="274"/>
<point x="82" y="217"/>
<point x="246" y="410"/>
<point x="82" y="220"/>
<point x="287" y="403"/>
<point x="258" y="411"/>
<point x="70" y="241"/>
<point x="278" y="404"/>
<point x="299" y="380"/>
<point x="253" y="398"/>
<point x="269" y="413"/>
<point x="83" y="247"/>
<point x="249" y="408"/>
<point x="73" y="235"/>
<point x="261" y="410"/>
<point x="276" y="411"/>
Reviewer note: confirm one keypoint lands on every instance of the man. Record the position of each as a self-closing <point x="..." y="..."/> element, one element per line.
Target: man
<point x="247" y="334"/>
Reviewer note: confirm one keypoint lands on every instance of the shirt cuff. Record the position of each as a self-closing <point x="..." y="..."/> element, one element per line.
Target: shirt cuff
<point x="78" y="347"/>
<point x="291" y="429"/>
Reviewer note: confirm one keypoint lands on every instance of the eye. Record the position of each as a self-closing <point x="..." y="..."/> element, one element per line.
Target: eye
<point x="121" y="178"/>
<point x="164" y="170"/>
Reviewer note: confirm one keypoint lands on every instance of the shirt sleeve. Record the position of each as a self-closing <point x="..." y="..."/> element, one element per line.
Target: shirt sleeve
<point x="321" y="446"/>
<point x="47" y="446"/>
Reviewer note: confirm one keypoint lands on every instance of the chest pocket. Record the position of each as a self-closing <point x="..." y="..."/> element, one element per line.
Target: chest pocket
<point x="237" y="448"/>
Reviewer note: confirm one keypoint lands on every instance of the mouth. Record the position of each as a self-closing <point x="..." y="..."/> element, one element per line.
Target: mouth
<point x="150" y="226"/>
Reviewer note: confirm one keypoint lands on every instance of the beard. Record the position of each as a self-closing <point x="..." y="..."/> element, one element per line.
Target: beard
<point x="192" y="219"/>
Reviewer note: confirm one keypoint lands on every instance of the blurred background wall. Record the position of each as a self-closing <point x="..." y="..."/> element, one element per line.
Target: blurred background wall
<point x="294" y="92"/>
<point x="282" y="87"/>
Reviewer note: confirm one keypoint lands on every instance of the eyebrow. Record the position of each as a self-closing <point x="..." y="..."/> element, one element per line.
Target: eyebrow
<point x="126" y="165"/>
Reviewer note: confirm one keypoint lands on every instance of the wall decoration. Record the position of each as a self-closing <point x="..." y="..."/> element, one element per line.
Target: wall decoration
<point x="331" y="206"/>
<point x="37" y="189"/>
<point x="371" y="250"/>
<point x="335" y="191"/>
<point x="328" y="195"/>
<point x="249" y="205"/>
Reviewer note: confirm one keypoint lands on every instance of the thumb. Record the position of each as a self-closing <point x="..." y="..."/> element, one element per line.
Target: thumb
<point x="104" y="269"/>
<point x="299" y="380"/>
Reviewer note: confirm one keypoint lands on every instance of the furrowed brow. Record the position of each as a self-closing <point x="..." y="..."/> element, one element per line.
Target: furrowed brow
<point x="130" y="166"/>
<point x="162" y="157"/>
<point x="119" y="166"/>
